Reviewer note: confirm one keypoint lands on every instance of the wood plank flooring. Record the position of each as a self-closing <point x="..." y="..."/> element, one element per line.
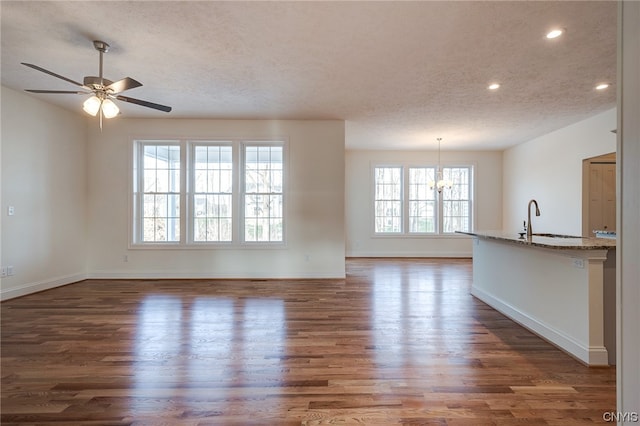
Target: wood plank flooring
<point x="400" y="341"/>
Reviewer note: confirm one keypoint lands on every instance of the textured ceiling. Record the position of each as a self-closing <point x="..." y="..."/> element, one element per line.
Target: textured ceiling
<point x="400" y="74"/>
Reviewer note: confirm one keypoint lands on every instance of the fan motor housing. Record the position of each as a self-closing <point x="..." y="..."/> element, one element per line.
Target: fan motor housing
<point x="94" y="82"/>
<point x="101" y="46"/>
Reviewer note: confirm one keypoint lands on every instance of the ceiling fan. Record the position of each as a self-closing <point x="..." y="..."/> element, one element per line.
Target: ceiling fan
<point x="103" y="91"/>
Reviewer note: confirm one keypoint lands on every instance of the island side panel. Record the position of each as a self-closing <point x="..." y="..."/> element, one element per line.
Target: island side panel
<point x="610" y="305"/>
<point x="551" y="292"/>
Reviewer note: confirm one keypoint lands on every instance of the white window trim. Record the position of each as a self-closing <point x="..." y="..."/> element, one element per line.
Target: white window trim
<point x="186" y="240"/>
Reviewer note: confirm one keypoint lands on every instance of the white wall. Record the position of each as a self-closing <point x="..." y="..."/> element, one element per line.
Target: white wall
<point x="549" y="169"/>
<point x="314" y="203"/>
<point x="628" y="267"/>
<point x="361" y="241"/>
<point x="43" y="177"/>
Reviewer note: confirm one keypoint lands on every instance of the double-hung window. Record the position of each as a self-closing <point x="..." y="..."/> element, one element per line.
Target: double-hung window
<point x="406" y="201"/>
<point x="422" y="200"/>
<point x="212" y="195"/>
<point x="388" y="199"/>
<point x="456" y="201"/>
<point x="202" y="193"/>
<point x="263" y="197"/>
<point x="159" y="184"/>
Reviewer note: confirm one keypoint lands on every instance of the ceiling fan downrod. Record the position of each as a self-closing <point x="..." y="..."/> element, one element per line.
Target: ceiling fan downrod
<point x="101" y="47"/>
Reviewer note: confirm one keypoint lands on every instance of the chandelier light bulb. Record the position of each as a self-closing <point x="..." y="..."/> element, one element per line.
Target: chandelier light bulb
<point x="440" y="182"/>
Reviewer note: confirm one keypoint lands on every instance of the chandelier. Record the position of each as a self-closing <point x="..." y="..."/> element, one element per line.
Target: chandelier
<point x="440" y="183"/>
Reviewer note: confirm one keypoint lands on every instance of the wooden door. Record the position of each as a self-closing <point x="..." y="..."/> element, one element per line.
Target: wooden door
<point x="602" y="196"/>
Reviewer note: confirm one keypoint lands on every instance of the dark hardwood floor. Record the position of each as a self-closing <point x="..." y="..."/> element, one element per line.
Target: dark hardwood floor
<point x="400" y="341"/>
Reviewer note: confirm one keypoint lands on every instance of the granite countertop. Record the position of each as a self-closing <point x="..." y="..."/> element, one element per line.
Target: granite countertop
<point x="560" y="242"/>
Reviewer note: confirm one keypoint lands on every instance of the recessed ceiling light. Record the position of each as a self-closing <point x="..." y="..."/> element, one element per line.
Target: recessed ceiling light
<point x="494" y="86"/>
<point x="555" y="33"/>
<point x="602" y="86"/>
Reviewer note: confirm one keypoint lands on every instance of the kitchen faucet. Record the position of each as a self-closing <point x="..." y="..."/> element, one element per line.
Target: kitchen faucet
<point x="529" y="231"/>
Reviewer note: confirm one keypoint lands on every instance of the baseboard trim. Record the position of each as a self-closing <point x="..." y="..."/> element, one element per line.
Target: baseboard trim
<point x="29" y="288"/>
<point x="115" y="275"/>
<point x="417" y="254"/>
<point x="592" y="356"/>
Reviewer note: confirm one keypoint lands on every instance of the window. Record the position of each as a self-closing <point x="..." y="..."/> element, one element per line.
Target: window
<point x="425" y="211"/>
<point x="160" y="184"/>
<point x="456" y="202"/>
<point x="198" y="193"/>
<point x="263" y="193"/>
<point x="212" y="193"/>
<point x="422" y="200"/>
<point x="388" y="199"/>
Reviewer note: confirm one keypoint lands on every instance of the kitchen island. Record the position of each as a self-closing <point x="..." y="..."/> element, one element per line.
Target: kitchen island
<point x="560" y="287"/>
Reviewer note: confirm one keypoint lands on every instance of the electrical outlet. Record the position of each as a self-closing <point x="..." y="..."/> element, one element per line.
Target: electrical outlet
<point x="4" y="272"/>
<point x="10" y="271"/>
<point x="11" y="211"/>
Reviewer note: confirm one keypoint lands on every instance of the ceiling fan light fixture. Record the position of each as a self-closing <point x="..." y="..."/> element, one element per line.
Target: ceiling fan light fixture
<point x="109" y="108"/>
<point x="104" y="90"/>
<point x="92" y="105"/>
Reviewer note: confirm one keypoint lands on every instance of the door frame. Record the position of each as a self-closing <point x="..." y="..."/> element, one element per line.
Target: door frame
<point x="586" y="163"/>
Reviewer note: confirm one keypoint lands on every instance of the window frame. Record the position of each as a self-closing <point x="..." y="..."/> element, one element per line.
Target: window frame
<point x="407" y="191"/>
<point x="469" y="200"/>
<point x="187" y="192"/>
<point x="439" y="219"/>
<point x="190" y="207"/>
<point x="137" y="209"/>
<point x="242" y="190"/>
<point x="402" y="199"/>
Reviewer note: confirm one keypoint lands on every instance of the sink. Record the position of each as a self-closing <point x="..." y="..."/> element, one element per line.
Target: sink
<point x="556" y="236"/>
